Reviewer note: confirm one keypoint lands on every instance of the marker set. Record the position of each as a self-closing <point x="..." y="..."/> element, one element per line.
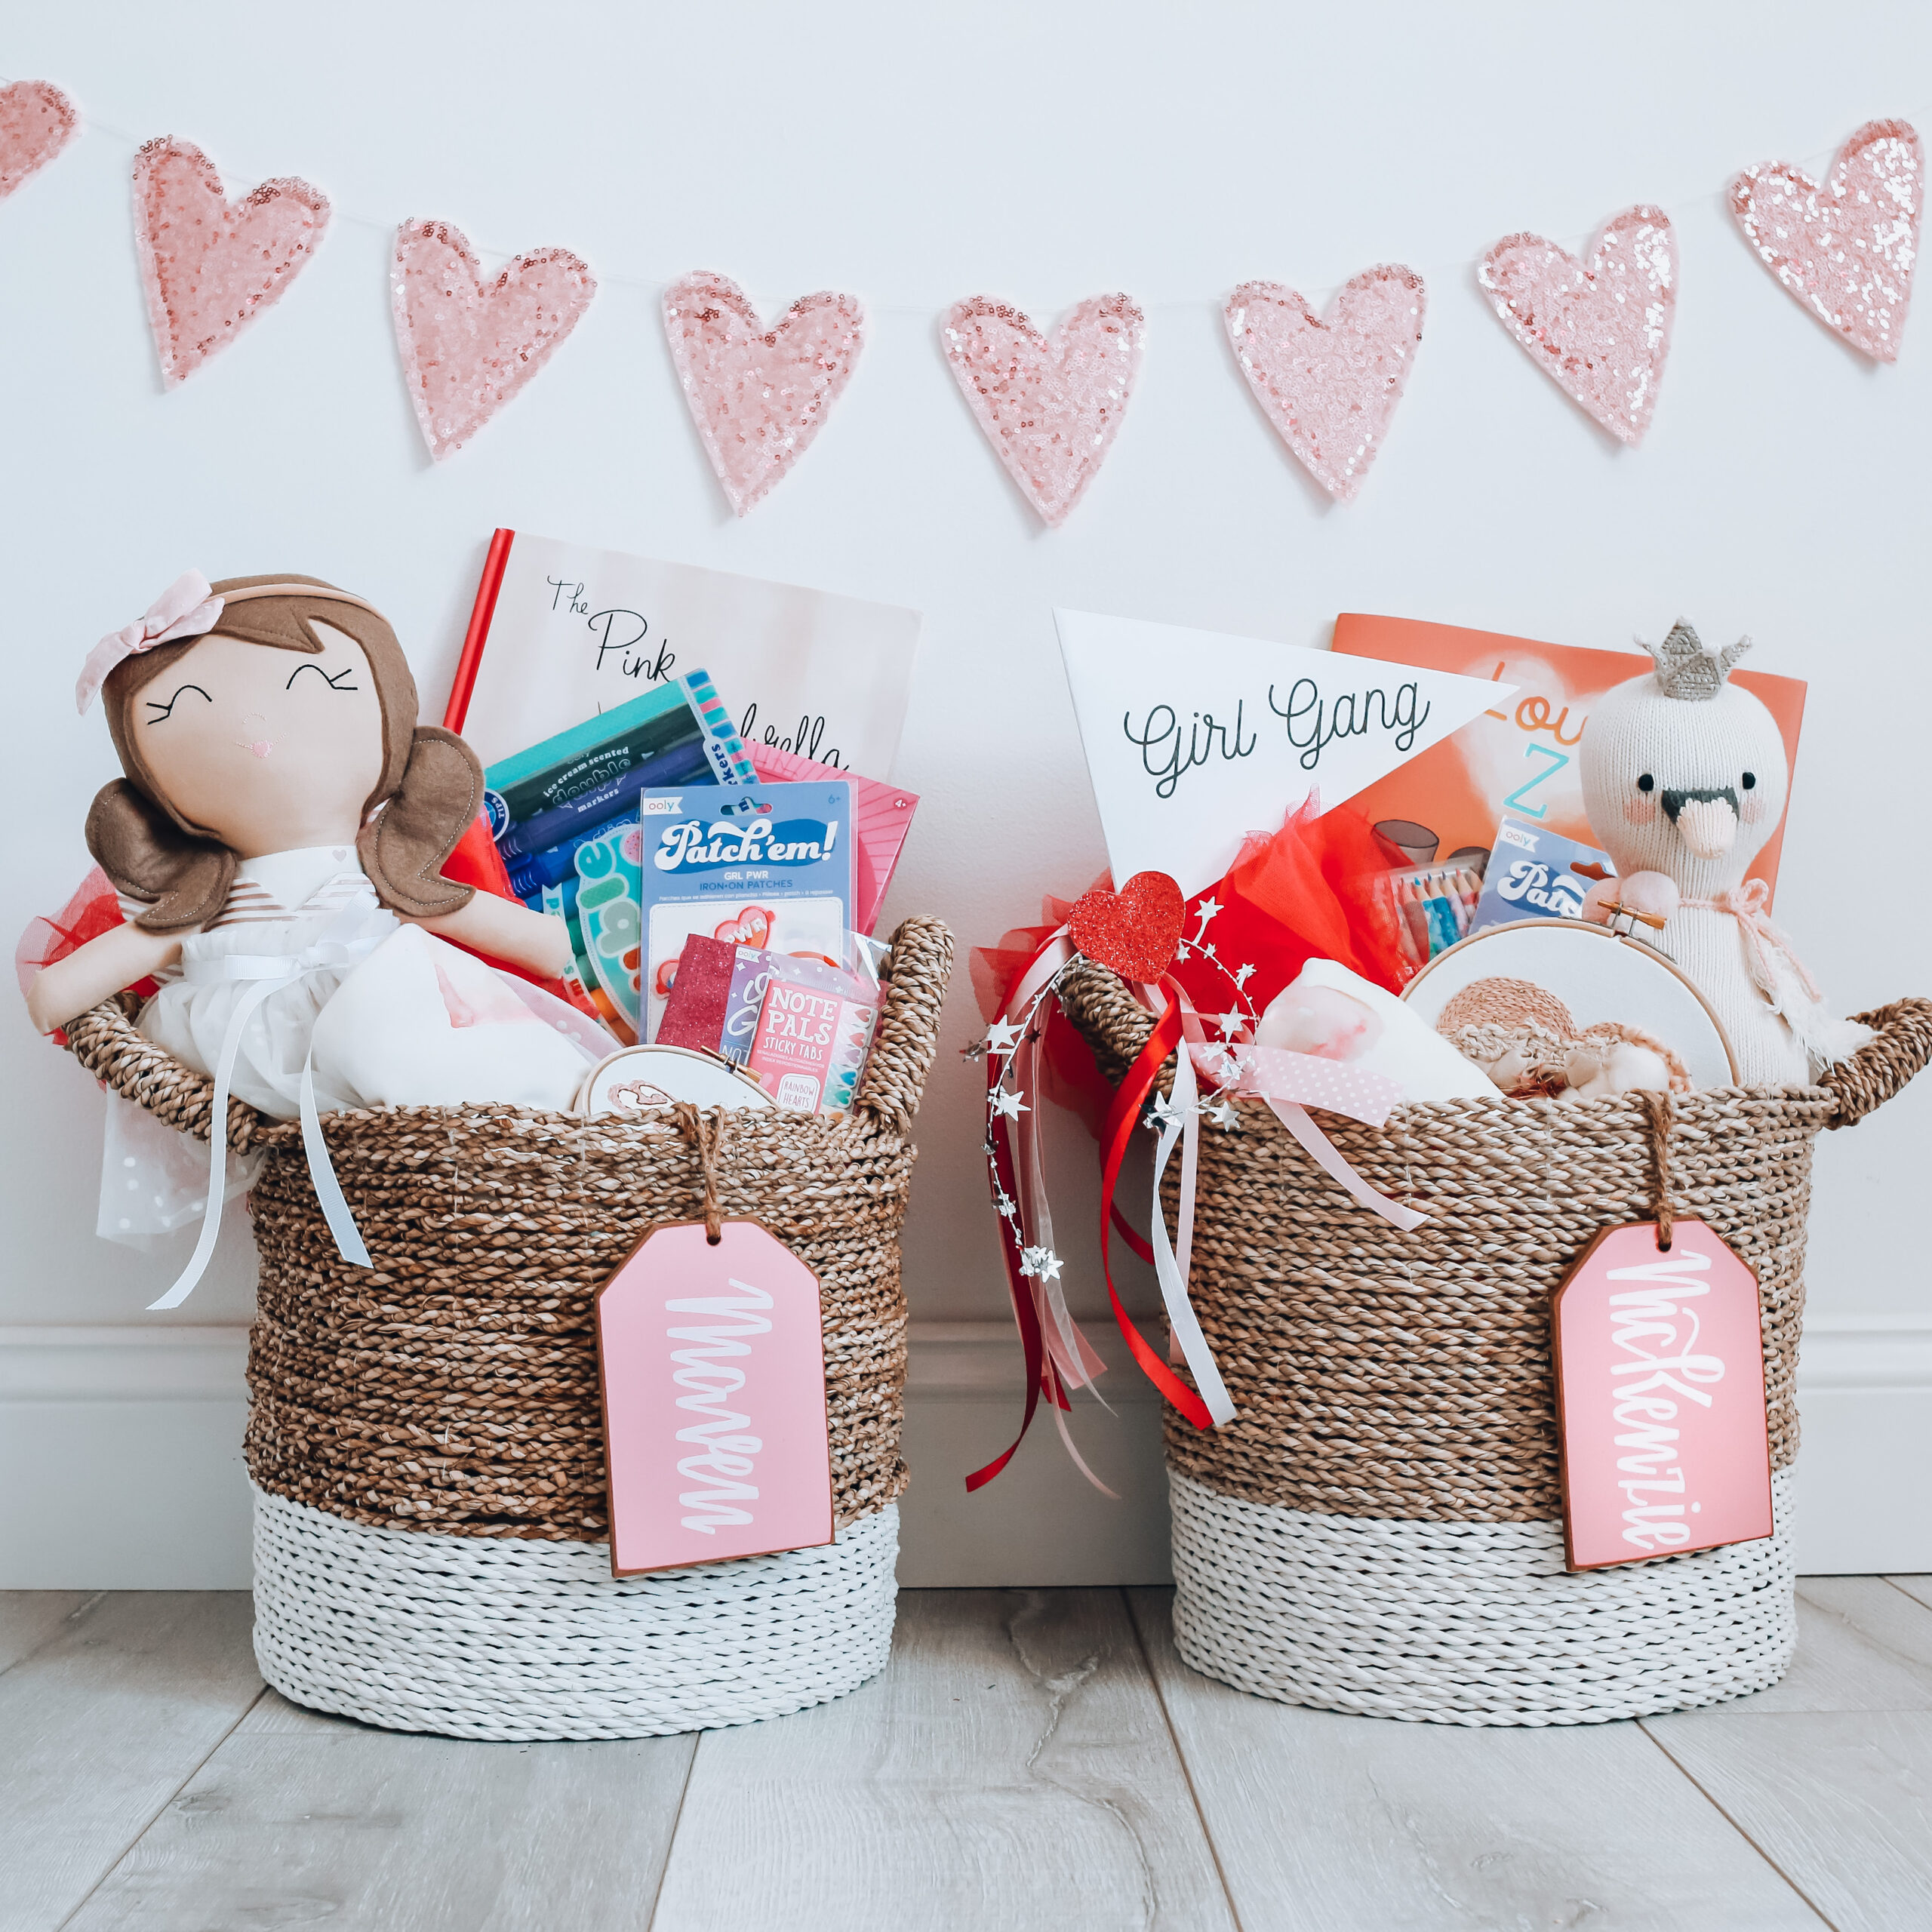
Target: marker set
<point x="1433" y="907"/>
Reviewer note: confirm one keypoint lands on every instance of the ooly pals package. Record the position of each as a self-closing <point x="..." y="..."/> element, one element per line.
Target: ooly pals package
<point x="800" y="1026"/>
<point x="810" y="1044"/>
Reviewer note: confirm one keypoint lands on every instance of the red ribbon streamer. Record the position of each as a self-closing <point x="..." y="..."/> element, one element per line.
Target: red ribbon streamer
<point x="1039" y="1367"/>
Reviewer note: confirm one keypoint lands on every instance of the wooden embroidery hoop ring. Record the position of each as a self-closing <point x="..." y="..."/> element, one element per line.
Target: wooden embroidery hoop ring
<point x="1650" y="953"/>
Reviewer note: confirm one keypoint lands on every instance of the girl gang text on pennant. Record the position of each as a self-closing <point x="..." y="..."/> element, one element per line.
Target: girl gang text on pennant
<point x="1659" y="1363"/>
<point x="712" y="1360"/>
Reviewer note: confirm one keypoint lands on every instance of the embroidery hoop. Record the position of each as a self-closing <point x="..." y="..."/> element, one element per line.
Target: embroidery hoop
<point x="1664" y="1000"/>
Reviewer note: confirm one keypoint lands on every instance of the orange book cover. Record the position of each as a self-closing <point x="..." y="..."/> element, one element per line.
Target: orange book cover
<point x="1520" y="758"/>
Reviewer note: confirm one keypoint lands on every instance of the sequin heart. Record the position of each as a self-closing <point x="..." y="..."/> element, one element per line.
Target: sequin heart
<point x="210" y="266"/>
<point x="1050" y="408"/>
<point x="1330" y="384"/>
<point x="1845" y="248"/>
<point x="1599" y="330"/>
<point x="757" y="396"/>
<point x="37" y="121"/>
<point x="467" y="349"/>
<point x="1136" y="931"/>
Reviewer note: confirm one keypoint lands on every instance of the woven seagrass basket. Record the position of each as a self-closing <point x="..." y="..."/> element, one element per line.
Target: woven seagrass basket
<point x="425" y="1441"/>
<point x="1379" y="1529"/>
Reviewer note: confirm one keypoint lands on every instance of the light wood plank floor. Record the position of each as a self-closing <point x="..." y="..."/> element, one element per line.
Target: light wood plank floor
<point x="1030" y="1758"/>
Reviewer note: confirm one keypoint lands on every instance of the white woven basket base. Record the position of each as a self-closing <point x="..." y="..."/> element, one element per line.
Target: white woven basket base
<point x="1474" y="1623"/>
<point x="502" y="1638"/>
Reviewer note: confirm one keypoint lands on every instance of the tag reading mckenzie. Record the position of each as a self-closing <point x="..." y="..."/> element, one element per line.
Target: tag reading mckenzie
<point x="712" y="1361"/>
<point x="1660" y="1364"/>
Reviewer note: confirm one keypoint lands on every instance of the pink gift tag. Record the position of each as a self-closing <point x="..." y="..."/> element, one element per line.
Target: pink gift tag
<point x="713" y="1363"/>
<point x="1660" y="1397"/>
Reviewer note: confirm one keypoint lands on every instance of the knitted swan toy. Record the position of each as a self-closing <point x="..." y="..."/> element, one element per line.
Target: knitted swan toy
<point x="1684" y="780"/>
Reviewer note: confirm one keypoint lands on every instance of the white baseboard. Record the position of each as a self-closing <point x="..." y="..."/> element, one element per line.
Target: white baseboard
<point x="122" y="1450"/>
<point x="121" y="1447"/>
<point x="1865" y="1412"/>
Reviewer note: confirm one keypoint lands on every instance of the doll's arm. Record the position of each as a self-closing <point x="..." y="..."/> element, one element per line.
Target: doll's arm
<point x="538" y="942"/>
<point x="91" y="972"/>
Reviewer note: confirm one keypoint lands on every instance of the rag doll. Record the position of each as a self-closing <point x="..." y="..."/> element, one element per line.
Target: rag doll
<point x="279" y="831"/>
<point x="281" y="816"/>
<point x="1684" y="779"/>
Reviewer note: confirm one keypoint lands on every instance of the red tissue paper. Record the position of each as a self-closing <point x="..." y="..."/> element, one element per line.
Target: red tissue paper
<point x="1297" y="895"/>
<point x="1068" y="1076"/>
<point x="93" y="910"/>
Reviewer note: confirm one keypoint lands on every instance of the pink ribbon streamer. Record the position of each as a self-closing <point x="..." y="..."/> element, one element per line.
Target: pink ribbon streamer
<point x="186" y="608"/>
<point x="1289" y="1081"/>
<point x="1073" y="1356"/>
<point x="1749" y="905"/>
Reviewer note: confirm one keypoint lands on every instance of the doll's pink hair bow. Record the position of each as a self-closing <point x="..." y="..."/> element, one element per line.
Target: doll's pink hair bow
<point x="186" y="608"/>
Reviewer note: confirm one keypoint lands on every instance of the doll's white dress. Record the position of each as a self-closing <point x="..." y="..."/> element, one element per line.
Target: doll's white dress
<point x="305" y="995"/>
<point x="307" y="919"/>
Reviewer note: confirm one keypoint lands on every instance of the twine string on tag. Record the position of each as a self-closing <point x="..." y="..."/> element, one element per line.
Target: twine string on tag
<point x="1660" y="1114"/>
<point x="706" y="1133"/>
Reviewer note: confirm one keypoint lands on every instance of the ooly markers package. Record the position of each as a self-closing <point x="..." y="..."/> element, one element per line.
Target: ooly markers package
<point x="767" y="866"/>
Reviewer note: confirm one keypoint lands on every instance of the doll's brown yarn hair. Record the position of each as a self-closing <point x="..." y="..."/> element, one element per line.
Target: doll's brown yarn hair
<point x="429" y="790"/>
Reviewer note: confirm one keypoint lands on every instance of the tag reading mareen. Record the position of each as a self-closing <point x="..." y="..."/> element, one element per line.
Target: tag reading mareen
<point x="712" y="1360"/>
<point x="1660" y="1361"/>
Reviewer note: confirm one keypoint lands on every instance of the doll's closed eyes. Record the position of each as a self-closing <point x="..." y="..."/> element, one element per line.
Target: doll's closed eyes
<point x="265" y="753"/>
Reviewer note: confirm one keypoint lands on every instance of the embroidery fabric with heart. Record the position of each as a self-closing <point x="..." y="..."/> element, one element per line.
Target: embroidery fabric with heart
<point x="37" y="121"/>
<point x="467" y="349"/>
<point x="1330" y="384"/>
<point x="210" y="266"/>
<point x="1845" y="248"/>
<point x="1599" y="330"/>
<point x="1051" y="409"/>
<point x="757" y="396"/>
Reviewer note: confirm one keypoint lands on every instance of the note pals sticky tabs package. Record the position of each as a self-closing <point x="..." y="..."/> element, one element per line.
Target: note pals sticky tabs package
<point x="810" y="1042"/>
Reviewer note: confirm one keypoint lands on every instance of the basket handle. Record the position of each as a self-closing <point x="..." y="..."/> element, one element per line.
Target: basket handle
<point x="1882" y="1065"/>
<point x="106" y="1041"/>
<point x="919" y="969"/>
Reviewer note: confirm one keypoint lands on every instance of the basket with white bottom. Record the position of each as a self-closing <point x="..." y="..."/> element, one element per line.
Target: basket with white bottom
<point x="503" y="1636"/>
<point x="426" y="1438"/>
<point x="1379" y="1529"/>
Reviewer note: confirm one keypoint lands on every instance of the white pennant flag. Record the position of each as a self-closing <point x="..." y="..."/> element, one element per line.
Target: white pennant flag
<point x="1194" y="739"/>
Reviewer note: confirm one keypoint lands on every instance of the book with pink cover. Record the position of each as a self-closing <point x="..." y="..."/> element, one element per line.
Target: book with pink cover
<point x="881" y="817"/>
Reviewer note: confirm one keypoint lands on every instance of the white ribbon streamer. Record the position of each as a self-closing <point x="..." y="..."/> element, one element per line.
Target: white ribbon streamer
<point x="1171" y="1269"/>
<point x="231" y="1043"/>
<point x="270" y="972"/>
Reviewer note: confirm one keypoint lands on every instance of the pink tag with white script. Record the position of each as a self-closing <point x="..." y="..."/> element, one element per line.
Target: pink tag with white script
<point x="712" y="1362"/>
<point x="1660" y="1397"/>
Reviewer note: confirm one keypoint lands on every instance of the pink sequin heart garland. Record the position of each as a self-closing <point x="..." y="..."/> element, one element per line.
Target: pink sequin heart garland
<point x="1845" y="248"/>
<point x="37" y="121"/>
<point x="1599" y="330"/>
<point x="209" y="265"/>
<point x="467" y="349"/>
<point x="1330" y="384"/>
<point x="1050" y="408"/>
<point x="757" y="396"/>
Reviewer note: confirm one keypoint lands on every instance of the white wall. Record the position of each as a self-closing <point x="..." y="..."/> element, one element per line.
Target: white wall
<point x="914" y="154"/>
